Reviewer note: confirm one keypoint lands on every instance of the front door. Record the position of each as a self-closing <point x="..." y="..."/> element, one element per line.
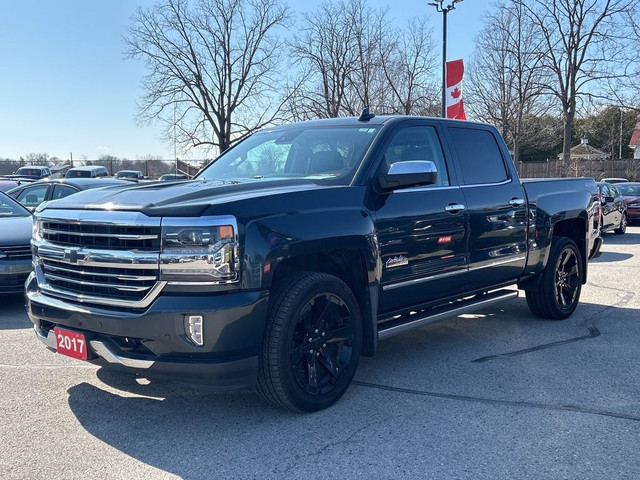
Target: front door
<point x="421" y="231"/>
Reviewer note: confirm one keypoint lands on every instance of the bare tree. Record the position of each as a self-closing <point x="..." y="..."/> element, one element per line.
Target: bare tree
<point x="324" y="48"/>
<point x="408" y="64"/>
<point x="583" y="49"/>
<point x="212" y="67"/>
<point x="506" y="72"/>
<point x="352" y="57"/>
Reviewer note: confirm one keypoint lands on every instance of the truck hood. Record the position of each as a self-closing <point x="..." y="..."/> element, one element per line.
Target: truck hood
<point x="182" y="198"/>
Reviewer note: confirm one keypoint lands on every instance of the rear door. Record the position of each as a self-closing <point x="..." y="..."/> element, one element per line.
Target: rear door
<point x="610" y="214"/>
<point x="496" y="206"/>
<point x="421" y="231"/>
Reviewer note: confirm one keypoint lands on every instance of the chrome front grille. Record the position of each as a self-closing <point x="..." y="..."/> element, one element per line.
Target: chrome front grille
<point x="99" y="257"/>
<point x="16" y="252"/>
<point x="114" y="283"/>
<point x="111" y="237"/>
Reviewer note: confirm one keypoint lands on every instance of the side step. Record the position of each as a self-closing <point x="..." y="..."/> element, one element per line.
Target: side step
<point x="406" y="323"/>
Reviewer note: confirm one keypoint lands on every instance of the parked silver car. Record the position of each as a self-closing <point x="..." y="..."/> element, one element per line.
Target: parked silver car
<point x="15" y="245"/>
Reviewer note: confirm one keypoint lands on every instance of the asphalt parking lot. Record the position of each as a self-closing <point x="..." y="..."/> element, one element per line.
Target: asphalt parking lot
<point x="494" y="395"/>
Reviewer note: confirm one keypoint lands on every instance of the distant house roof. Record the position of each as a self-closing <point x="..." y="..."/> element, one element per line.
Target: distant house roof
<point x="585" y="152"/>
<point x="635" y="137"/>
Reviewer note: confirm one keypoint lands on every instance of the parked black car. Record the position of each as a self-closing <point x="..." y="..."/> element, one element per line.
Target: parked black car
<point x="613" y="215"/>
<point x="33" y="194"/>
<point x="15" y="248"/>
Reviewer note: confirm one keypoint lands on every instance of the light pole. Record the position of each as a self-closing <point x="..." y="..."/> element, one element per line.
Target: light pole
<point x="444" y="10"/>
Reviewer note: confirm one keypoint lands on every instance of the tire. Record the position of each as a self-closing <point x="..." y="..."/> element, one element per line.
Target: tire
<point x="312" y="343"/>
<point x="561" y="283"/>
<point x="623" y="225"/>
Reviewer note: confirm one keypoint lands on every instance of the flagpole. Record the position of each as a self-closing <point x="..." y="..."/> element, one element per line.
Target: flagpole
<point x="444" y="62"/>
<point x="444" y="11"/>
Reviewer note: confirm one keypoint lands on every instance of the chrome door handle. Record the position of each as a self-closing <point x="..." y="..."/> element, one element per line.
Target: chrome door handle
<point x="516" y="202"/>
<point x="454" y="208"/>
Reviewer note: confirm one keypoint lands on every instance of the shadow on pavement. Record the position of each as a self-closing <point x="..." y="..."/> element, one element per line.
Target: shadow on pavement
<point x="611" y="257"/>
<point x="629" y="238"/>
<point x="14" y="314"/>
<point x="198" y="434"/>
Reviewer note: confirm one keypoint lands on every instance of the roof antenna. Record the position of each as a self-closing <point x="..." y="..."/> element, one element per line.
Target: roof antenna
<point x="366" y="115"/>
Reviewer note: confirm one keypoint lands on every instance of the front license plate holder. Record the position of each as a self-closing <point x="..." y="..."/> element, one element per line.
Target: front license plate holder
<point x="71" y="343"/>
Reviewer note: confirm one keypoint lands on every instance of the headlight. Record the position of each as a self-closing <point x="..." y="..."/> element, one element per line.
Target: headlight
<point x="201" y="250"/>
<point x="36" y="232"/>
<point x="2" y="254"/>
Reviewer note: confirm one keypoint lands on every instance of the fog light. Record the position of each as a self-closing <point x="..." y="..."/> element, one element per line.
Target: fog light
<point x="193" y="327"/>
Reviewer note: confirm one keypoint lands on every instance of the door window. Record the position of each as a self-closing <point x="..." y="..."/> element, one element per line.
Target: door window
<point x="418" y="143"/>
<point x="479" y="156"/>
<point x="61" y="191"/>
<point x="31" y="197"/>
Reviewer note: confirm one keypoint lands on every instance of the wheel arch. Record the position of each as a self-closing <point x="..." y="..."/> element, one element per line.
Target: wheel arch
<point x="349" y="265"/>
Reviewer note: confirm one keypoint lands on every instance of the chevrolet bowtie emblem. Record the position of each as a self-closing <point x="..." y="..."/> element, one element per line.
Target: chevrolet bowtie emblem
<point x="71" y="255"/>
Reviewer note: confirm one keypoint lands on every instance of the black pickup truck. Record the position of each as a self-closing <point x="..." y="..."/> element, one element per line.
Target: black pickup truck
<point x="294" y="252"/>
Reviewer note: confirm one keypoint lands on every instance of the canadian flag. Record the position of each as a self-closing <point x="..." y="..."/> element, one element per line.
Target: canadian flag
<point x="455" y="107"/>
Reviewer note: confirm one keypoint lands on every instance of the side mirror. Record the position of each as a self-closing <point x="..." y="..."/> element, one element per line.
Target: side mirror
<point x="407" y="174"/>
<point x="607" y="200"/>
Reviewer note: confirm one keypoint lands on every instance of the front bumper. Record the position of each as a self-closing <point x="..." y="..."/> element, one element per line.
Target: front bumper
<point x="13" y="274"/>
<point x="633" y="214"/>
<point x="153" y="342"/>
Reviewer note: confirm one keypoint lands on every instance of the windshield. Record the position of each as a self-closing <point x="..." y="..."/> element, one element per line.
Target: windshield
<point x="78" y="174"/>
<point x="11" y="208"/>
<point x="128" y="174"/>
<point x="29" y="171"/>
<point x="314" y="153"/>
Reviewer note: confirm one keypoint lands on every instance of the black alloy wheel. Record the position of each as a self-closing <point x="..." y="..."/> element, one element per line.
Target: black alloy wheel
<point x="312" y="343"/>
<point x="561" y="282"/>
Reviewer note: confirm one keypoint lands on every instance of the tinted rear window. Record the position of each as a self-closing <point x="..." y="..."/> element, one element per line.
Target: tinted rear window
<point x="479" y="156"/>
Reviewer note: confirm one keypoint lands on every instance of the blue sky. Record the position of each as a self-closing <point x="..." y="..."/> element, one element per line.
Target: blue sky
<point x="65" y="87"/>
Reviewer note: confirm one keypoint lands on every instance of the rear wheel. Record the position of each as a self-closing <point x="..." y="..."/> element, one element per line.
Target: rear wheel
<point x="561" y="282"/>
<point x="312" y="343"/>
<point x="623" y="225"/>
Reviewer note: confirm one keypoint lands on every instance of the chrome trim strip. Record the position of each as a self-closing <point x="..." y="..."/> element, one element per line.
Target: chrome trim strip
<point x="102" y="350"/>
<point x="416" y="281"/>
<point x="49" y="340"/>
<point x="126" y="288"/>
<point x="98" y="258"/>
<point x="474" y="185"/>
<point x="497" y="263"/>
<point x="102" y="235"/>
<point x="144" y="303"/>
<point x="120" y="276"/>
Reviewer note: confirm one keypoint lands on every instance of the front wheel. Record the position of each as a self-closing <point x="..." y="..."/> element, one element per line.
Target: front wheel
<point x="623" y="225"/>
<point x="312" y="342"/>
<point x="561" y="283"/>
